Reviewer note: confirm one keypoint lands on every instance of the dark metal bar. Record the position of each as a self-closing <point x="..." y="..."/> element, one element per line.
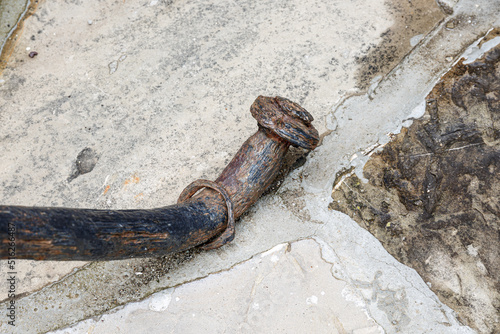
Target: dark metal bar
<point x="86" y="234"/>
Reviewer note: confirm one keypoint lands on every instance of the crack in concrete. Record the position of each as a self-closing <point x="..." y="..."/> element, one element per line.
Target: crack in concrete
<point x="323" y="246"/>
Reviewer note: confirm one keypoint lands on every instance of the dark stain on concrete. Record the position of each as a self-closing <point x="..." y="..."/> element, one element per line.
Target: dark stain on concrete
<point x="85" y="163"/>
<point x="14" y="83"/>
<point x="433" y="193"/>
<point x="411" y="18"/>
<point x="154" y="269"/>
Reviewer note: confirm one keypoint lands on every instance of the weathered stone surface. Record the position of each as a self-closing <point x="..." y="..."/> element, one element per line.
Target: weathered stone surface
<point x="288" y="289"/>
<point x="432" y="195"/>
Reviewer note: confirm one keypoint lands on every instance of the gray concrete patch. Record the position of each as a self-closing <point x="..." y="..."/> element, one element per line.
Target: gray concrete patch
<point x="286" y="289"/>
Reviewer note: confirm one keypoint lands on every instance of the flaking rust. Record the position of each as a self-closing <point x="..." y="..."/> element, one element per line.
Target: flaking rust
<point x="204" y="214"/>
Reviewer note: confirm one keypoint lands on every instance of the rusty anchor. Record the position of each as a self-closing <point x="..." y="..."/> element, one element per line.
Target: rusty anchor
<point x="203" y="216"/>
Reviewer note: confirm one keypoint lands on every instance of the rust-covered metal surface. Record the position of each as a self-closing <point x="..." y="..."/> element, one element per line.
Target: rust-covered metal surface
<point x="432" y="196"/>
<point x="86" y="234"/>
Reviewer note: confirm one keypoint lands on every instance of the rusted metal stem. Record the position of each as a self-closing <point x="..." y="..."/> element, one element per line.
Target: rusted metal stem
<point x="206" y="219"/>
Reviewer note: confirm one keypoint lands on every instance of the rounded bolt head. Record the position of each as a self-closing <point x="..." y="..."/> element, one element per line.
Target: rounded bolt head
<point x="287" y="119"/>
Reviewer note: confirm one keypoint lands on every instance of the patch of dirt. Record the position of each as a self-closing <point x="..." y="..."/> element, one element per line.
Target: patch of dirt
<point x="155" y="268"/>
<point x="411" y="19"/>
<point x="433" y="193"/>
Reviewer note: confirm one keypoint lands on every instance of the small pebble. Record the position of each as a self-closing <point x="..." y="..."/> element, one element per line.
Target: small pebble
<point x="32" y="54"/>
<point x="90" y="22"/>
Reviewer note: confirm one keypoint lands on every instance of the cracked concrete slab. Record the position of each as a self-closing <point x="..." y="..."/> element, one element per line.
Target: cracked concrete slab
<point x="288" y="288"/>
<point x="13" y="14"/>
<point x="397" y="98"/>
<point x="193" y="63"/>
<point x="433" y="190"/>
<point x="298" y="287"/>
<point x="160" y="91"/>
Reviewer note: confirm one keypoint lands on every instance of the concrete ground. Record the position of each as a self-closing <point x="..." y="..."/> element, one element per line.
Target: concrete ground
<point x="160" y="91"/>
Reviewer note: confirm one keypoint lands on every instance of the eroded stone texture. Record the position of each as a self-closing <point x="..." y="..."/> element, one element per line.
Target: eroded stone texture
<point x="432" y="195"/>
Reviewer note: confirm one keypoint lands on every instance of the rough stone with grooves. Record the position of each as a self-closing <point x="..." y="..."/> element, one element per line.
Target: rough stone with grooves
<point x="432" y="195"/>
